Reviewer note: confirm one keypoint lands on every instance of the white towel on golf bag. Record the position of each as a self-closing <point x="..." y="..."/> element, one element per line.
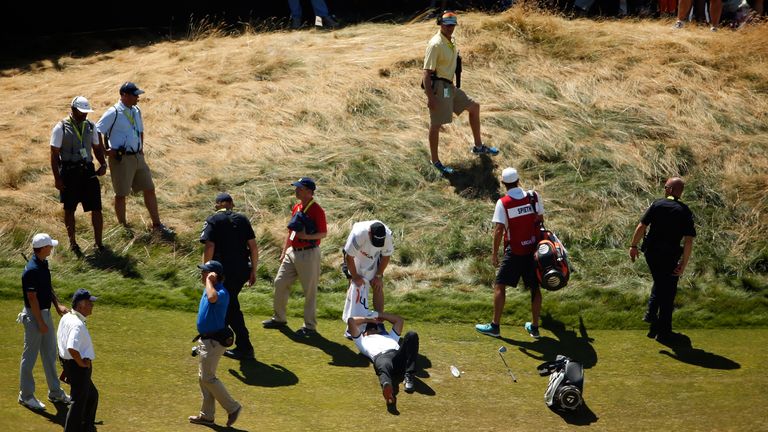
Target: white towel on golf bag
<point x="356" y="303"/>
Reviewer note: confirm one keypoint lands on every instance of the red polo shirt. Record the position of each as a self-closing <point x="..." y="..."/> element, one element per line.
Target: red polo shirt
<point x="317" y="214"/>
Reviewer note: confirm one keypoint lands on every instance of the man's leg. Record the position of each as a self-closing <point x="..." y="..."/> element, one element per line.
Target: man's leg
<point x="235" y="317"/>
<point x="652" y="313"/>
<point x="434" y="138"/>
<point x="320" y="8"/>
<point x="295" y="7"/>
<point x="715" y="10"/>
<point x="150" y="202"/>
<point x="285" y="277"/>
<point x="308" y="268"/>
<point x="69" y="223"/>
<point x="32" y="340"/>
<point x="97" y="220"/>
<point x="499" y="299"/>
<point x="79" y="379"/>
<point x="474" y="122"/>
<point x="535" y="305"/>
<point x="89" y="416"/>
<point x="48" y="356"/>
<point x="210" y="354"/>
<point x="410" y="349"/>
<point x="683" y="9"/>
<point x="120" y="209"/>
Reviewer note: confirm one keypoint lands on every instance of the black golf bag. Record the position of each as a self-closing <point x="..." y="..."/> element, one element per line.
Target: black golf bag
<point x="566" y="383"/>
<point x="552" y="267"/>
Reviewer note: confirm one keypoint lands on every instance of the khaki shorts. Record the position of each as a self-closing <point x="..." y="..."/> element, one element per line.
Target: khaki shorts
<point x="456" y="102"/>
<point x="131" y="174"/>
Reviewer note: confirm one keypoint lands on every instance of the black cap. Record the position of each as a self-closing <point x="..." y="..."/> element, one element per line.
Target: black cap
<point x="82" y="294"/>
<point x="305" y="182"/>
<point x="378" y="234"/>
<point x="223" y="196"/>
<point x="212" y="266"/>
<point x="130" y="88"/>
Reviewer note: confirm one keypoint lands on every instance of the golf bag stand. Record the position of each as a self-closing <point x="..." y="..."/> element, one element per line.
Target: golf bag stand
<point x="566" y="383"/>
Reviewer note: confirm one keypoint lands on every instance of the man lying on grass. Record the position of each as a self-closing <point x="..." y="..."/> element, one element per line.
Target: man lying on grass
<point x="390" y="359"/>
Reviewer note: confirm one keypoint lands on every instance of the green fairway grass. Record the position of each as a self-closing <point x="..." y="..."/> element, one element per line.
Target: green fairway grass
<point x="147" y="379"/>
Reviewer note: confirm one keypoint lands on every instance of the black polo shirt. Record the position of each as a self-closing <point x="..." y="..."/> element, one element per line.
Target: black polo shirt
<point x="230" y="232"/>
<point x="669" y="220"/>
<point x="37" y="279"/>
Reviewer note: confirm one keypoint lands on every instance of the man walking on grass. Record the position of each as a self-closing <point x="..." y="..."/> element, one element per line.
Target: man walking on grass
<point x="210" y="324"/>
<point x="443" y="97"/>
<point x="670" y="221"/>
<point x="518" y="217"/>
<point x="229" y="239"/>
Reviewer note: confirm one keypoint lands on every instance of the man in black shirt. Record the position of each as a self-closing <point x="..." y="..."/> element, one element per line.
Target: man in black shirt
<point x="671" y="221"/>
<point x="230" y="240"/>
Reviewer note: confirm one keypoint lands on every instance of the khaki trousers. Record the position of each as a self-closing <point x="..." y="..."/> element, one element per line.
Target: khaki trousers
<point x="211" y="387"/>
<point x="304" y="264"/>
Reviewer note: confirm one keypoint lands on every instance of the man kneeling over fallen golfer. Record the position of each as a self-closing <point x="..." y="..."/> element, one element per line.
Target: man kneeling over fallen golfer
<point x="390" y="358"/>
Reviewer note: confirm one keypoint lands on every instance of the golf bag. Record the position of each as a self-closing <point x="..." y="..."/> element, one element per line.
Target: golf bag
<point x="566" y="383"/>
<point x="552" y="267"/>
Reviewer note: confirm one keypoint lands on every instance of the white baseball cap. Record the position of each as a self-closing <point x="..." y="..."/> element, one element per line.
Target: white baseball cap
<point x="82" y="104"/>
<point x="42" y="240"/>
<point x="509" y="175"/>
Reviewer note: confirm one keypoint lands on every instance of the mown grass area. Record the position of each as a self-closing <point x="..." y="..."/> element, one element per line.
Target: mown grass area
<point x="712" y="380"/>
<point x="595" y="115"/>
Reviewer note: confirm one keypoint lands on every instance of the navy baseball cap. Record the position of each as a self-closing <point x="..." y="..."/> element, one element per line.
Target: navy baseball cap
<point x="378" y="234"/>
<point x="305" y="182"/>
<point x="212" y="266"/>
<point x="130" y="88"/>
<point x="223" y="197"/>
<point x="82" y="294"/>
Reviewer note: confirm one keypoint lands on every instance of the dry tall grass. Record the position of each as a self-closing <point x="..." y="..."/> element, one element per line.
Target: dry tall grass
<point x="595" y="114"/>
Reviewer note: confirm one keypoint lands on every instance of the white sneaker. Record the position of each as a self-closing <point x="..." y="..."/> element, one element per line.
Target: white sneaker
<point x="32" y="403"/>
<point x="66" y="399"/>
<point x="678" y="25"/>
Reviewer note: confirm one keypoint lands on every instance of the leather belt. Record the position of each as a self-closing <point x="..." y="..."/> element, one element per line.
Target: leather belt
<point x="304" y="248"/>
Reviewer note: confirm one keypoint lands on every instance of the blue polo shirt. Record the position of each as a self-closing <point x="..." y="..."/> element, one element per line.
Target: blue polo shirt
<point x="211" y="316"/>
<point x="36" y="278"/>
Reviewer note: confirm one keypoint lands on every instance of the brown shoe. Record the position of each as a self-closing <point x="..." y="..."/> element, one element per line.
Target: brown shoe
<point x="232" y="417"/>
<point x="388" y="392"/>
<point x="200" y="420"/>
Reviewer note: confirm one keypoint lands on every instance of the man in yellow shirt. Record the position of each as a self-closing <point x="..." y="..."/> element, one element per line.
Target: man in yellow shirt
<point x="443" y="97"/>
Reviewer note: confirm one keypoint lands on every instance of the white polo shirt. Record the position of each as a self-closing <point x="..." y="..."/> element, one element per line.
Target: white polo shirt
<point x="500" y="215"/>
<point x="375" y="344"/>
<point x="365" y="254"/>
<point x="124" y="127"/>
<point x="74" y="334"/>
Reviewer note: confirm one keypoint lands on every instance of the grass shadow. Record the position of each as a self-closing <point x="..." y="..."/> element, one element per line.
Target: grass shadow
<point x="256" y="373"/>
<point x="578" y="347"/>
<point x="224" y="428"/>
<point x="475" y="179"/>
<point x="60" y="418"/>
<point x="583" y="416"/>
<point x="685" y="352"/>
<point x="340" y="354"/>
<point x="109" y="260"/>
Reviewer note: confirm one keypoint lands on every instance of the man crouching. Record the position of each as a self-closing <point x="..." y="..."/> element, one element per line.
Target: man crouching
<point x="390" y="359"/>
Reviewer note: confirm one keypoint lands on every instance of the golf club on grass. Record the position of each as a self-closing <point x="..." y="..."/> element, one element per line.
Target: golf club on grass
<point x="502" y="350"/>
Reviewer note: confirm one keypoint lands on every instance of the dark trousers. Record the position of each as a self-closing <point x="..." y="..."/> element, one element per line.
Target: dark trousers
<point x="85" y="398"/>
<point x="396" y="363"/>
<point x="662" y="299"/>
<point x="234" y="283"/>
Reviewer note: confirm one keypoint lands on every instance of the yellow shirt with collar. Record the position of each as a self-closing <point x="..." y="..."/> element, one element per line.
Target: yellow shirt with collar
<point x="441" y="56"/>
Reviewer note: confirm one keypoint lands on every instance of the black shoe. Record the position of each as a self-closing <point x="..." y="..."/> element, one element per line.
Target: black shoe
<point x="305" y="332"/>
<point x="409" y="383"/>
<point x="273" y="323"/>
<point x="75" y="248"/>
<point x="238" y="354"/>
<point x="652" y="333"/>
